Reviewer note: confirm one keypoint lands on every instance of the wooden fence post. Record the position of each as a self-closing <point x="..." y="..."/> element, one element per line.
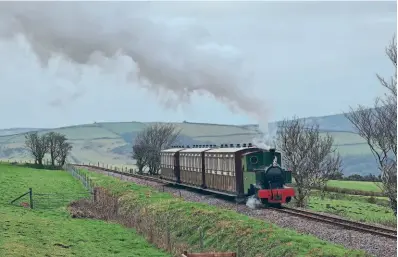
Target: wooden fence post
<point x="31" y="198"/>
<point x="201" y="238"/>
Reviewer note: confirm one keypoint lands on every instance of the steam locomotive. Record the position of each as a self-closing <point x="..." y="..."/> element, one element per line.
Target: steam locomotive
<point x="231" y="170"/>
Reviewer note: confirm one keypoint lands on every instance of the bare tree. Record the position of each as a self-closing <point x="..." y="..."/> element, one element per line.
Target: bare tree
<point x="149" y="143"/>
<point x="37" y="145"/>
<point x="378" y="126"/>
<point x="310" y="156"/>
<point x="140" y="153"/>
<point x="55" y="142"/>
<point x="324" y="161"/>
<point x="62" y="151"/>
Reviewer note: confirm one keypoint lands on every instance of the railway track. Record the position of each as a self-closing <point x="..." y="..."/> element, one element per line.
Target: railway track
<point x="353" y="225"/>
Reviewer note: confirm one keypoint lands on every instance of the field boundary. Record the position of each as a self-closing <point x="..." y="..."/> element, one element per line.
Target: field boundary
<point x="30" y="198"/>
<point x="47" y="200"/>
<point x="86" y="180"/>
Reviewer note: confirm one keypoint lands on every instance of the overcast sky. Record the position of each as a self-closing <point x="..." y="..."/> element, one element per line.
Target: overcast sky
<point x="219" y="62"/>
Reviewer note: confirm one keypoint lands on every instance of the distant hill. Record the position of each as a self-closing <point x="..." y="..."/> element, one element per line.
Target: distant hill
<point x="13" y="131"/>
<point x="337" y="122"/>
<point x="111" y="142"/>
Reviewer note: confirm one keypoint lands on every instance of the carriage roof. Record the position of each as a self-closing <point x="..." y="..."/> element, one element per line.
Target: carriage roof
<point x="195" y="150"/>
<point x="232" y="149"/>
<point x="172" y="150"/>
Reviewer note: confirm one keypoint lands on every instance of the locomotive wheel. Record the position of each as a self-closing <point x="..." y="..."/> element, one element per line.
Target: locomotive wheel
<point x="276" y="205"/>
<point x="266" y="204"/>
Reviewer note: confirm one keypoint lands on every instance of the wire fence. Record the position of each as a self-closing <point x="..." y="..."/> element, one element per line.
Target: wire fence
<point x="37" y="200"/>
<point x="52" y="200"/>
<point x="46" y="162"/>
<point x="83" y="177"/>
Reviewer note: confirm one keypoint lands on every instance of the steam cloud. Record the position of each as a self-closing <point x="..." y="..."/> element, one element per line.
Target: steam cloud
<point x="172" y="55"/>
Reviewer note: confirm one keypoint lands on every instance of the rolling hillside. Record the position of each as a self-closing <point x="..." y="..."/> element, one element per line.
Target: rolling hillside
<point x="111" y="143"/>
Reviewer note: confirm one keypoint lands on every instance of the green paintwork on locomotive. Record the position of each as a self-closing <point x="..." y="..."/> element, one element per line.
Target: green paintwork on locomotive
<point x="259" y="160"/>
<point x="288" y="177"/>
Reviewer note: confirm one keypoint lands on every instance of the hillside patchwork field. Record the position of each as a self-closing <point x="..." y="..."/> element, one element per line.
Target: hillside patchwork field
<point x="111" y="142"/>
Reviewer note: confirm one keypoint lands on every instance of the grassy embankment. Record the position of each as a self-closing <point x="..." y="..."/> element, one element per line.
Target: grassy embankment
<point x="49" y="231"/>
<point x="222" y="229"/>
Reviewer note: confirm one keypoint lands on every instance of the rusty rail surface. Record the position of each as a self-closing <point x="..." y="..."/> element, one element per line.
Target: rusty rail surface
<point x="358" y="226"/>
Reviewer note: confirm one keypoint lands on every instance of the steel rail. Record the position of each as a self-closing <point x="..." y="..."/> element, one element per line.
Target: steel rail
<point x="353" y="225"/>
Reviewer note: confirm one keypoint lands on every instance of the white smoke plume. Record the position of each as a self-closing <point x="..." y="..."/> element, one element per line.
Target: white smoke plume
<point x="165" y="55"/>
<point x="252" y="202"/>
<point x="266" y="138"/>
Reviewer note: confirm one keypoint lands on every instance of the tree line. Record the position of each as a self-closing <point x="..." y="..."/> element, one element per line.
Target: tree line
<point x="307" y="152"/>
<point x="52" y="143"/>
<point x="356" y="177"/>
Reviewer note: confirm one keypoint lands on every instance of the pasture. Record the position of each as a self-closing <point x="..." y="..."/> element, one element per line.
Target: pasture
<point x="355" y="185"/>
<point x="51" y="231"/>
<point x="357" y="208"/>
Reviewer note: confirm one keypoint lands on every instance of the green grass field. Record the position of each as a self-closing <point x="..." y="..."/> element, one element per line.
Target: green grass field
<point x="355" y="185"/>
<point x="355" y="209"/>
<point x="51" y="232"/>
